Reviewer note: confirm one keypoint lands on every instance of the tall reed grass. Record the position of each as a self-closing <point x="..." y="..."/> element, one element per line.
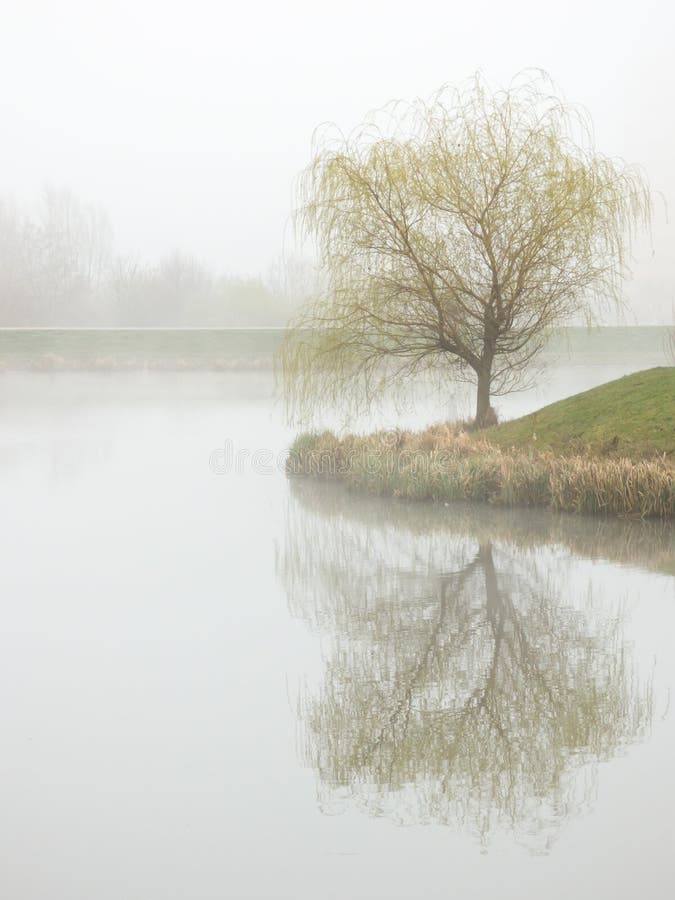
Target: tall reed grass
<point x="444" y="464"/>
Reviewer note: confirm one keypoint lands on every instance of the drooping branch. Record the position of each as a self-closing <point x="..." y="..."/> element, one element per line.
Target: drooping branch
<point x="453" y="240"/>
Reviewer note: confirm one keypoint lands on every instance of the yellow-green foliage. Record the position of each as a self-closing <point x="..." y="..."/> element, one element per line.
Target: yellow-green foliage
<point x="452" y="236"/>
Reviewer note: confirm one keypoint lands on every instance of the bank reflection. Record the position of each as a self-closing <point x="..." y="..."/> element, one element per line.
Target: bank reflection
<point x="465" y="683"/>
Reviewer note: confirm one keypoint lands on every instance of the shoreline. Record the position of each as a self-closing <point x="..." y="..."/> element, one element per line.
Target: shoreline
<point x="445" y="464"/>
<point x="81" y="347"/>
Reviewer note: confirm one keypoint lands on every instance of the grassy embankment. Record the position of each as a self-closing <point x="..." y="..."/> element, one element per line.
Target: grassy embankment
<point x="610" y="450"/>
<point x="133" y="349"/>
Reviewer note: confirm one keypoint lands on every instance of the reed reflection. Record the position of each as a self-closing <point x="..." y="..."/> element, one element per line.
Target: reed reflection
<point x="462" y="684"/>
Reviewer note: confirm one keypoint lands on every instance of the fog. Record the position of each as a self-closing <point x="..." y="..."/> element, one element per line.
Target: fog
<point x="186" y="125"/>
<point x="219" y="679"/>
<point x="174" y="637"/>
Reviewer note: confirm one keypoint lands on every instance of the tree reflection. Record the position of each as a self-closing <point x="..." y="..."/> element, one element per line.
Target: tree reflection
<point x="461" y="685"/>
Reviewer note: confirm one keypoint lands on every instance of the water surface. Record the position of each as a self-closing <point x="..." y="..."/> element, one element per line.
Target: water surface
<point x="232" y="685"/>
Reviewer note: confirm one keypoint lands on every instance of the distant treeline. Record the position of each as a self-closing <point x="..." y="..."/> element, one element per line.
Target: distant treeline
<point x="59" y="267"/>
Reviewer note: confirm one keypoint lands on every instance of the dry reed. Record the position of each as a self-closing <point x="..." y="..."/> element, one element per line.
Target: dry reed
<point x="444" y="463"/>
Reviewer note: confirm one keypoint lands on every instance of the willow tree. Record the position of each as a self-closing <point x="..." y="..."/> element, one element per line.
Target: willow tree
<point x="462" y="683"/>
<point x="452" y="236"/>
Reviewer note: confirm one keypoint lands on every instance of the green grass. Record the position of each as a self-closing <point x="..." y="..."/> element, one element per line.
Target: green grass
<point x="608" y="451"/>
<point x="631" y="417"/>
<point x="56" y="349"/>
<point x="53" y="349"/>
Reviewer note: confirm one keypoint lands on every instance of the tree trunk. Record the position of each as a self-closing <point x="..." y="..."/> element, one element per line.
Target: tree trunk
<point x="483" y="408"/>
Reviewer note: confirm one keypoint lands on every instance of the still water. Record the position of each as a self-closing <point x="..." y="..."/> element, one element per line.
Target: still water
<point x="228" y="685"/>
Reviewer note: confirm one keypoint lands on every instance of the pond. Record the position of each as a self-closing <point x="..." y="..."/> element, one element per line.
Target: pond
<point x="216" y="682"/>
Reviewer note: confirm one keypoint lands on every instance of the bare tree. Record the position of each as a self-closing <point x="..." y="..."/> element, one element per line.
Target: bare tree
<point x="453" y="236"/>
<point x="54" y="261"/>
<point x="16" y="269"/>
<point x="71" y="251"/>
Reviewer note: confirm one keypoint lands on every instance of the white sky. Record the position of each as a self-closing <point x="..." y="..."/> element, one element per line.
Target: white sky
<point x="187" y="122"/>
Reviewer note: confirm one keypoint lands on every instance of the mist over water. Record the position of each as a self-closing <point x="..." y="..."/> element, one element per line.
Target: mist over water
<point x="235" y="683"/>
<point x="221" y="680"/>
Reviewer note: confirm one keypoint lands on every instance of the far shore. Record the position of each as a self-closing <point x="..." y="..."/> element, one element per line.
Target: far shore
<point x="253" y="347"/>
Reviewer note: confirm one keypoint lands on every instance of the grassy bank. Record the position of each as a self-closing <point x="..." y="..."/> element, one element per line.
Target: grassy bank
<point x="132" y="349"/>
<point x="179" y="349"/>
<point x="630" y="417"/>
<point x="585" y="472"/>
